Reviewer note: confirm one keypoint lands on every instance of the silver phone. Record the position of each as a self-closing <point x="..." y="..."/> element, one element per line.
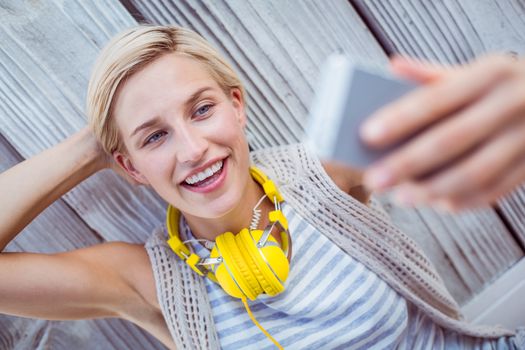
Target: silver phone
<point x="347" y="94"/>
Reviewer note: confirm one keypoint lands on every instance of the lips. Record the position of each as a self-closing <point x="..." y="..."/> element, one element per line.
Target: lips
<point x="203" y="176"/>
<point x="211" y="183"/>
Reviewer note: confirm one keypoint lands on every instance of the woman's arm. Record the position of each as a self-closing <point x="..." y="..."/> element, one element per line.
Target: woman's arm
<point x="348" y="179"/>
<point x="83" y="283"/>
<point x="106" y="280"/>
<point x="32" y="185"/>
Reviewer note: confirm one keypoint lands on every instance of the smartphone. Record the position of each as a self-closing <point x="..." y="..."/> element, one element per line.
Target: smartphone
<point x="347" y="94"/>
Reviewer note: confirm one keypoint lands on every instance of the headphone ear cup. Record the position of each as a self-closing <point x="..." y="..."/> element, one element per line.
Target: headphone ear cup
<point x="234" y="274"/>
<point x="269" y="264"/>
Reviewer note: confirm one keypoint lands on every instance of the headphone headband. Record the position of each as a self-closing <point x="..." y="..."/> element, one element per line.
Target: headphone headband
<point x="268" y="185"/>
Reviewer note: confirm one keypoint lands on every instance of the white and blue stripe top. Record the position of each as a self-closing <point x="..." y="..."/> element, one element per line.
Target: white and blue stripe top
<point x="331" y="301"/>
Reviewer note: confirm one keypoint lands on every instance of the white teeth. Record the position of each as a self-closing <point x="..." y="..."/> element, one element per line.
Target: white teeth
<point x="205" y="173"/>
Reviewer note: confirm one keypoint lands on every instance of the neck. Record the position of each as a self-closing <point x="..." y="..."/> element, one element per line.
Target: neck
<point x="235" y="220"/>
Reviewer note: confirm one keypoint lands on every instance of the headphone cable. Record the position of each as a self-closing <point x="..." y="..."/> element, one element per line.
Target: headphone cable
<point x="258" y="325"/>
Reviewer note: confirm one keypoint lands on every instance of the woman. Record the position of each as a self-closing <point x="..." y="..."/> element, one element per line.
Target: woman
<point x="170" y="112"/>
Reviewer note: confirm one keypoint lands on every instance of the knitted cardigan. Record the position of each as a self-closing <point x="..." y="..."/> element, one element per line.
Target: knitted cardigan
<point x="363" y="232"/>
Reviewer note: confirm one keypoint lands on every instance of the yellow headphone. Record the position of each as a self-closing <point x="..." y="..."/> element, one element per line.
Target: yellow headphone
<point x="247" y="264"/>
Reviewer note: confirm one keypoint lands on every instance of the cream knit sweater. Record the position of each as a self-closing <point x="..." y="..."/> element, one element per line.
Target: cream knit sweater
<point x="364" y="233"/>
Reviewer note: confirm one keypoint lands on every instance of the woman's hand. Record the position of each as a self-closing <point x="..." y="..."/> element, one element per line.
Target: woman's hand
<point x="473" y="144"/>
<point x="106" y="161"/>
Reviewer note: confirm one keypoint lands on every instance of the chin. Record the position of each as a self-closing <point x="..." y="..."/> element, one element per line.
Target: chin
<point x="221" y="208"/>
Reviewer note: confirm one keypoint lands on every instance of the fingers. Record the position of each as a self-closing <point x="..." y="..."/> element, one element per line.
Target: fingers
<point x="452" y="138"/>
<point x="478" y="179"/>
<point x="428" y="104"/>
<point x="473" y="145"/>
<point x="416" y="70"/>
<point x="506" y="185"/>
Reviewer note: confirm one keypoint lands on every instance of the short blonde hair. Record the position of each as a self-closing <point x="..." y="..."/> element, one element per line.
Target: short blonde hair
<point x="129" y="52"/>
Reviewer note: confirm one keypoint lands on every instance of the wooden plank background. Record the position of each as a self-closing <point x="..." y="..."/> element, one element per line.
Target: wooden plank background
<point x="48" y="49"/>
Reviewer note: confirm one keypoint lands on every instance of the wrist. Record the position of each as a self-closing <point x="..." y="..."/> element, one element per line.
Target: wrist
<point x="86" y="150"/>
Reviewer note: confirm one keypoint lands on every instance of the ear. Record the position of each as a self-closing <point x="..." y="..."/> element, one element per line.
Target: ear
<point x="238" y="105"/>
<point x="126" y="165"/>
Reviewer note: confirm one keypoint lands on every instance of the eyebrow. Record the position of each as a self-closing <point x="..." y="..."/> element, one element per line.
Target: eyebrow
<point x="195" y="96"/>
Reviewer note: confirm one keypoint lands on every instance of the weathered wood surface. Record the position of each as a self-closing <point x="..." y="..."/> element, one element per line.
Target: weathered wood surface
<point x="447" y="31"/>
<point x="43" y="235"/>
<point x="513" y="209"/>
<point x="24" y="334"/>
<point x="455" y="32"/>
<point x="267" y="36"/>
<point x="277" y="47"/>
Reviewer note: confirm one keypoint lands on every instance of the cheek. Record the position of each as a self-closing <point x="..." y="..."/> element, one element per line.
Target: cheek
<point x="234" y="136"/>
<point x="156" y="168"/>
<point x="226" y="131"/>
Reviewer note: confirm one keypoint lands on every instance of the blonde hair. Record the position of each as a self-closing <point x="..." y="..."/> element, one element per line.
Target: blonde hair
<point x="129" y="52"/>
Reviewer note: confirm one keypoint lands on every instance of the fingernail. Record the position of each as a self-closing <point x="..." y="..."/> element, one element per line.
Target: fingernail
<point x="378" y="178"/>
<point x="373" y="130"/>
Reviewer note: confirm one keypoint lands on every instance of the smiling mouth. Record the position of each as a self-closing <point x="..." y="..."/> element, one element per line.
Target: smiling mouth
<point x="206" y="177"/>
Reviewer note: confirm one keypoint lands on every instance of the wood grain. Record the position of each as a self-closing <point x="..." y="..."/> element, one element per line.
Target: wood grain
<point x="469" y="249"/>
<point x="58" y="228"/>
<point x="17" y="333"/>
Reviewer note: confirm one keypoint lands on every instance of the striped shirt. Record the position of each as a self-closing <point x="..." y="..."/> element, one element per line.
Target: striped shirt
<point x="330" y="301"/>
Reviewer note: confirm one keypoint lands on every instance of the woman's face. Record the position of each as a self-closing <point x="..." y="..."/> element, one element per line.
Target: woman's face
<point x="184" y="136"/>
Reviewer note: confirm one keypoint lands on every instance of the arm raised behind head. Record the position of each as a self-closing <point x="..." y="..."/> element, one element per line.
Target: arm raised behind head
<point x="105" y="280"/>
<point x="32" y="185"/>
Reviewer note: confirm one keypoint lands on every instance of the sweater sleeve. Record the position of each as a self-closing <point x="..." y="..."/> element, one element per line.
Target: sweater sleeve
<point x="423" y="333"/>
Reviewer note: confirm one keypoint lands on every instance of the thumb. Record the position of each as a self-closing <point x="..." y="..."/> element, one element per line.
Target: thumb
<point x="416" y="70"/>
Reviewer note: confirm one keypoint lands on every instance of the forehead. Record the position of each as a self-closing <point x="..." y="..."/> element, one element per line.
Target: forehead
<point x="162" y="85"/>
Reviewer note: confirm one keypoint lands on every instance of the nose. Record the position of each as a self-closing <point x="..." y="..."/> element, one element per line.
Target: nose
<point x="191" y="145"/>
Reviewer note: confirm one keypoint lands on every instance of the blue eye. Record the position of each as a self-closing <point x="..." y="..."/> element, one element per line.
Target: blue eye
<point x="154" y="137"/>
<point x="203" y="110"/>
